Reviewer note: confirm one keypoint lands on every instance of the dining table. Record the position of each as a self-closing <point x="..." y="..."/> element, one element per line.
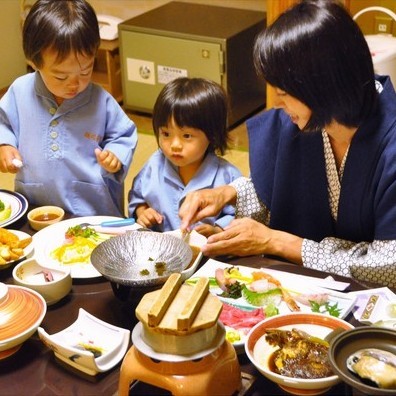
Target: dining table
<point x="34" y="369"/>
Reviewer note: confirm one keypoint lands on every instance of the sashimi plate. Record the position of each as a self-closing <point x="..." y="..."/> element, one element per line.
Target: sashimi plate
<point x="339" y="304"/>
<point x="52" y="237"/>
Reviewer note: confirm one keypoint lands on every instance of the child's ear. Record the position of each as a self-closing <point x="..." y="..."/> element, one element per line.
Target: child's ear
<point x="32" y="65"/>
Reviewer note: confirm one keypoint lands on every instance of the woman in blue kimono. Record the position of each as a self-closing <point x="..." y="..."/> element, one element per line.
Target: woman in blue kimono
<point x="190" y="124"/>
<point x="322" y="191"/>
<point x="73" y="140"/>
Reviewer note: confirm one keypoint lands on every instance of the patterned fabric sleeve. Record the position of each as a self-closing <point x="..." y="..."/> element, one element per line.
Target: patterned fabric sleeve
<point x="248" y="203"/>
<point x="373" y="262"/>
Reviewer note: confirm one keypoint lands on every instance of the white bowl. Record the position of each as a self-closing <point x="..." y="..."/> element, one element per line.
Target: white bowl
<point x="89" y="344"/>
<point x="259" y="350"/>
<point x="44" y="216"/>
<point x="52" y="284"/>
<point x="21" y="312"/>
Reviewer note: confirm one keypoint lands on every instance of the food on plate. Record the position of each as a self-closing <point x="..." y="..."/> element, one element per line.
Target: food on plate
<point x="5" y="210"/>
<point x="238" y="322"/>
<point x="260" y="290"/>
<point x="78" y="245"/>
<point x="11" y="247"/>
<point x="97" y="351"/>
<point x="299" y="355"/>
<point x="375" y="365"/>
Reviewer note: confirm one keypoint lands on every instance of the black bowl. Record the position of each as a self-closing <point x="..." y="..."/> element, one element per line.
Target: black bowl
<point x="349" y="342"/>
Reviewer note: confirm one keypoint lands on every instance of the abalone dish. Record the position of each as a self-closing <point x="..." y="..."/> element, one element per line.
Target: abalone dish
<point x="365" y="358"/>
<point x="300" y="355"/>
<point x="141" y="258"/>
<point x="374" y="365"/>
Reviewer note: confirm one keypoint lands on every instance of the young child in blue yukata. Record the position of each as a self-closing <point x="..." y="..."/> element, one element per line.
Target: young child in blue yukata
<point x="190" y="124"/>
<point x="67" y="139"/>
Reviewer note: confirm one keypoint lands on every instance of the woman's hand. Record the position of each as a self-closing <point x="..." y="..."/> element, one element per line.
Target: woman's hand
<point x="147" y="217"/>
<point x="205" y="203"/>
<point x="7" y="154"/>
<point x="107" y="160"/>
<point x="247" y="237"/>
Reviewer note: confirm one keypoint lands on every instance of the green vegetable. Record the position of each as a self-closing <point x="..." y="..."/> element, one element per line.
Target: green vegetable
<point x="5" y="211"/>
<point x="271" y="310"/>
<point x="77" y="230"/>
<point x="271" y="297"/>
<point x="193" y="281"/>
<point x="234" y="290"/>
<point x="86" y="232"/>
<point x="332" y="310"/>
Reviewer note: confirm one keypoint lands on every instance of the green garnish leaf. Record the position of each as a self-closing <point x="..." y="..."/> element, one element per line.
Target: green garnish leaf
<point x="332" y="310"/>
<point x="2" y="206"/>
<point x="85" y="232"/>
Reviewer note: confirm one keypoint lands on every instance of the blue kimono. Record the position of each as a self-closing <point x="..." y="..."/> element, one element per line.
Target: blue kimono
<point x="159" y="185"/>
<point x="288" y="171"/>
<point x="57" y="146"/>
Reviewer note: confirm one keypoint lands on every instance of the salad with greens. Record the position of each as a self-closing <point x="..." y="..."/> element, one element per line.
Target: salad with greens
<point x="5" y="211"/>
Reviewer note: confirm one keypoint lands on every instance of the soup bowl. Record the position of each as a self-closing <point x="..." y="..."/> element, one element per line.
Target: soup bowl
<point x="260" y="352"/>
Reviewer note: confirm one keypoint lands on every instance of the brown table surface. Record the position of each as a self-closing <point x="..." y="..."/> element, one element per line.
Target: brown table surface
<point x="34" y="370"/>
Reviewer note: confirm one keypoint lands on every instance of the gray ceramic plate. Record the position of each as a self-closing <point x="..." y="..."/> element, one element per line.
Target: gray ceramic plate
<point x="351" y="341"/>
<point x="141" y="258"/>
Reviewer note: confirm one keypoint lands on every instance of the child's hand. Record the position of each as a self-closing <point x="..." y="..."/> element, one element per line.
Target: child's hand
<point x="147" y="217"/>
<point x="7" y="155"/>
<point x="207" y="229"/>
<point x="107" y="160"/>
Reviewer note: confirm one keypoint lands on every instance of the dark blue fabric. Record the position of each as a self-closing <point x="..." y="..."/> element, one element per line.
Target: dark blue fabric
<point x="288" y="171"/>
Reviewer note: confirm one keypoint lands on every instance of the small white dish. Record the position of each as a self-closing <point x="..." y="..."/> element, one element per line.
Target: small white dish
<point x="89" y="344"/>
<point x="52" y="284"/>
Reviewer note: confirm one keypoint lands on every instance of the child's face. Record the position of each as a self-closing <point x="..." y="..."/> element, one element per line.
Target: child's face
<point x="183" y="146"/>
<point x="66" y="79"/>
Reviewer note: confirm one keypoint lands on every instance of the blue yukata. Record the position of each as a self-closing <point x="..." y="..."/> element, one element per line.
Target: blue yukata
<point x="288" y="171"/>
<point x="158" y="185"/>
<point x="57" y="146"/>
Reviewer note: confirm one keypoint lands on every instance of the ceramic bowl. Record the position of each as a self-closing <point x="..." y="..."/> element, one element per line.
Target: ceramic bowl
<point x="259" y="350"/>
<point x="21" y="312"/>
<point x="351" y="341"/>
<point x="52" y="284"/>
<point x="89" y="344"/>
<point x="44" y="216"/>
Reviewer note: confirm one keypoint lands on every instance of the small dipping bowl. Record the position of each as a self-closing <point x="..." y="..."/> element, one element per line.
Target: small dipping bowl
<point x="44" y="216"/>
<point x="52" y="284"/>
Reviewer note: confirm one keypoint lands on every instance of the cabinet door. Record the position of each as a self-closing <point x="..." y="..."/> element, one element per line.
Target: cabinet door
<point x="149" y="61"/>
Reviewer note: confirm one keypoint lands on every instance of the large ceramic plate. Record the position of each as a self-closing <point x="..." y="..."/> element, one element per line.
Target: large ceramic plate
<point x="27" y="251"/>
<point x="344" y="302"/>
<point x="53" y="236"/>
<point x="18" y="203"/>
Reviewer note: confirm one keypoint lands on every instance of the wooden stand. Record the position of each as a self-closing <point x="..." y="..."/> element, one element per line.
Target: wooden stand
<point x="107" y="70"/>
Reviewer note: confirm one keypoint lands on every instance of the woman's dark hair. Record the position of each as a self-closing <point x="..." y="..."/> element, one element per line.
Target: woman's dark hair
<point x="316" y="53"/>
<point x="196" y="103"/>
<point x="63" y="25"/>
